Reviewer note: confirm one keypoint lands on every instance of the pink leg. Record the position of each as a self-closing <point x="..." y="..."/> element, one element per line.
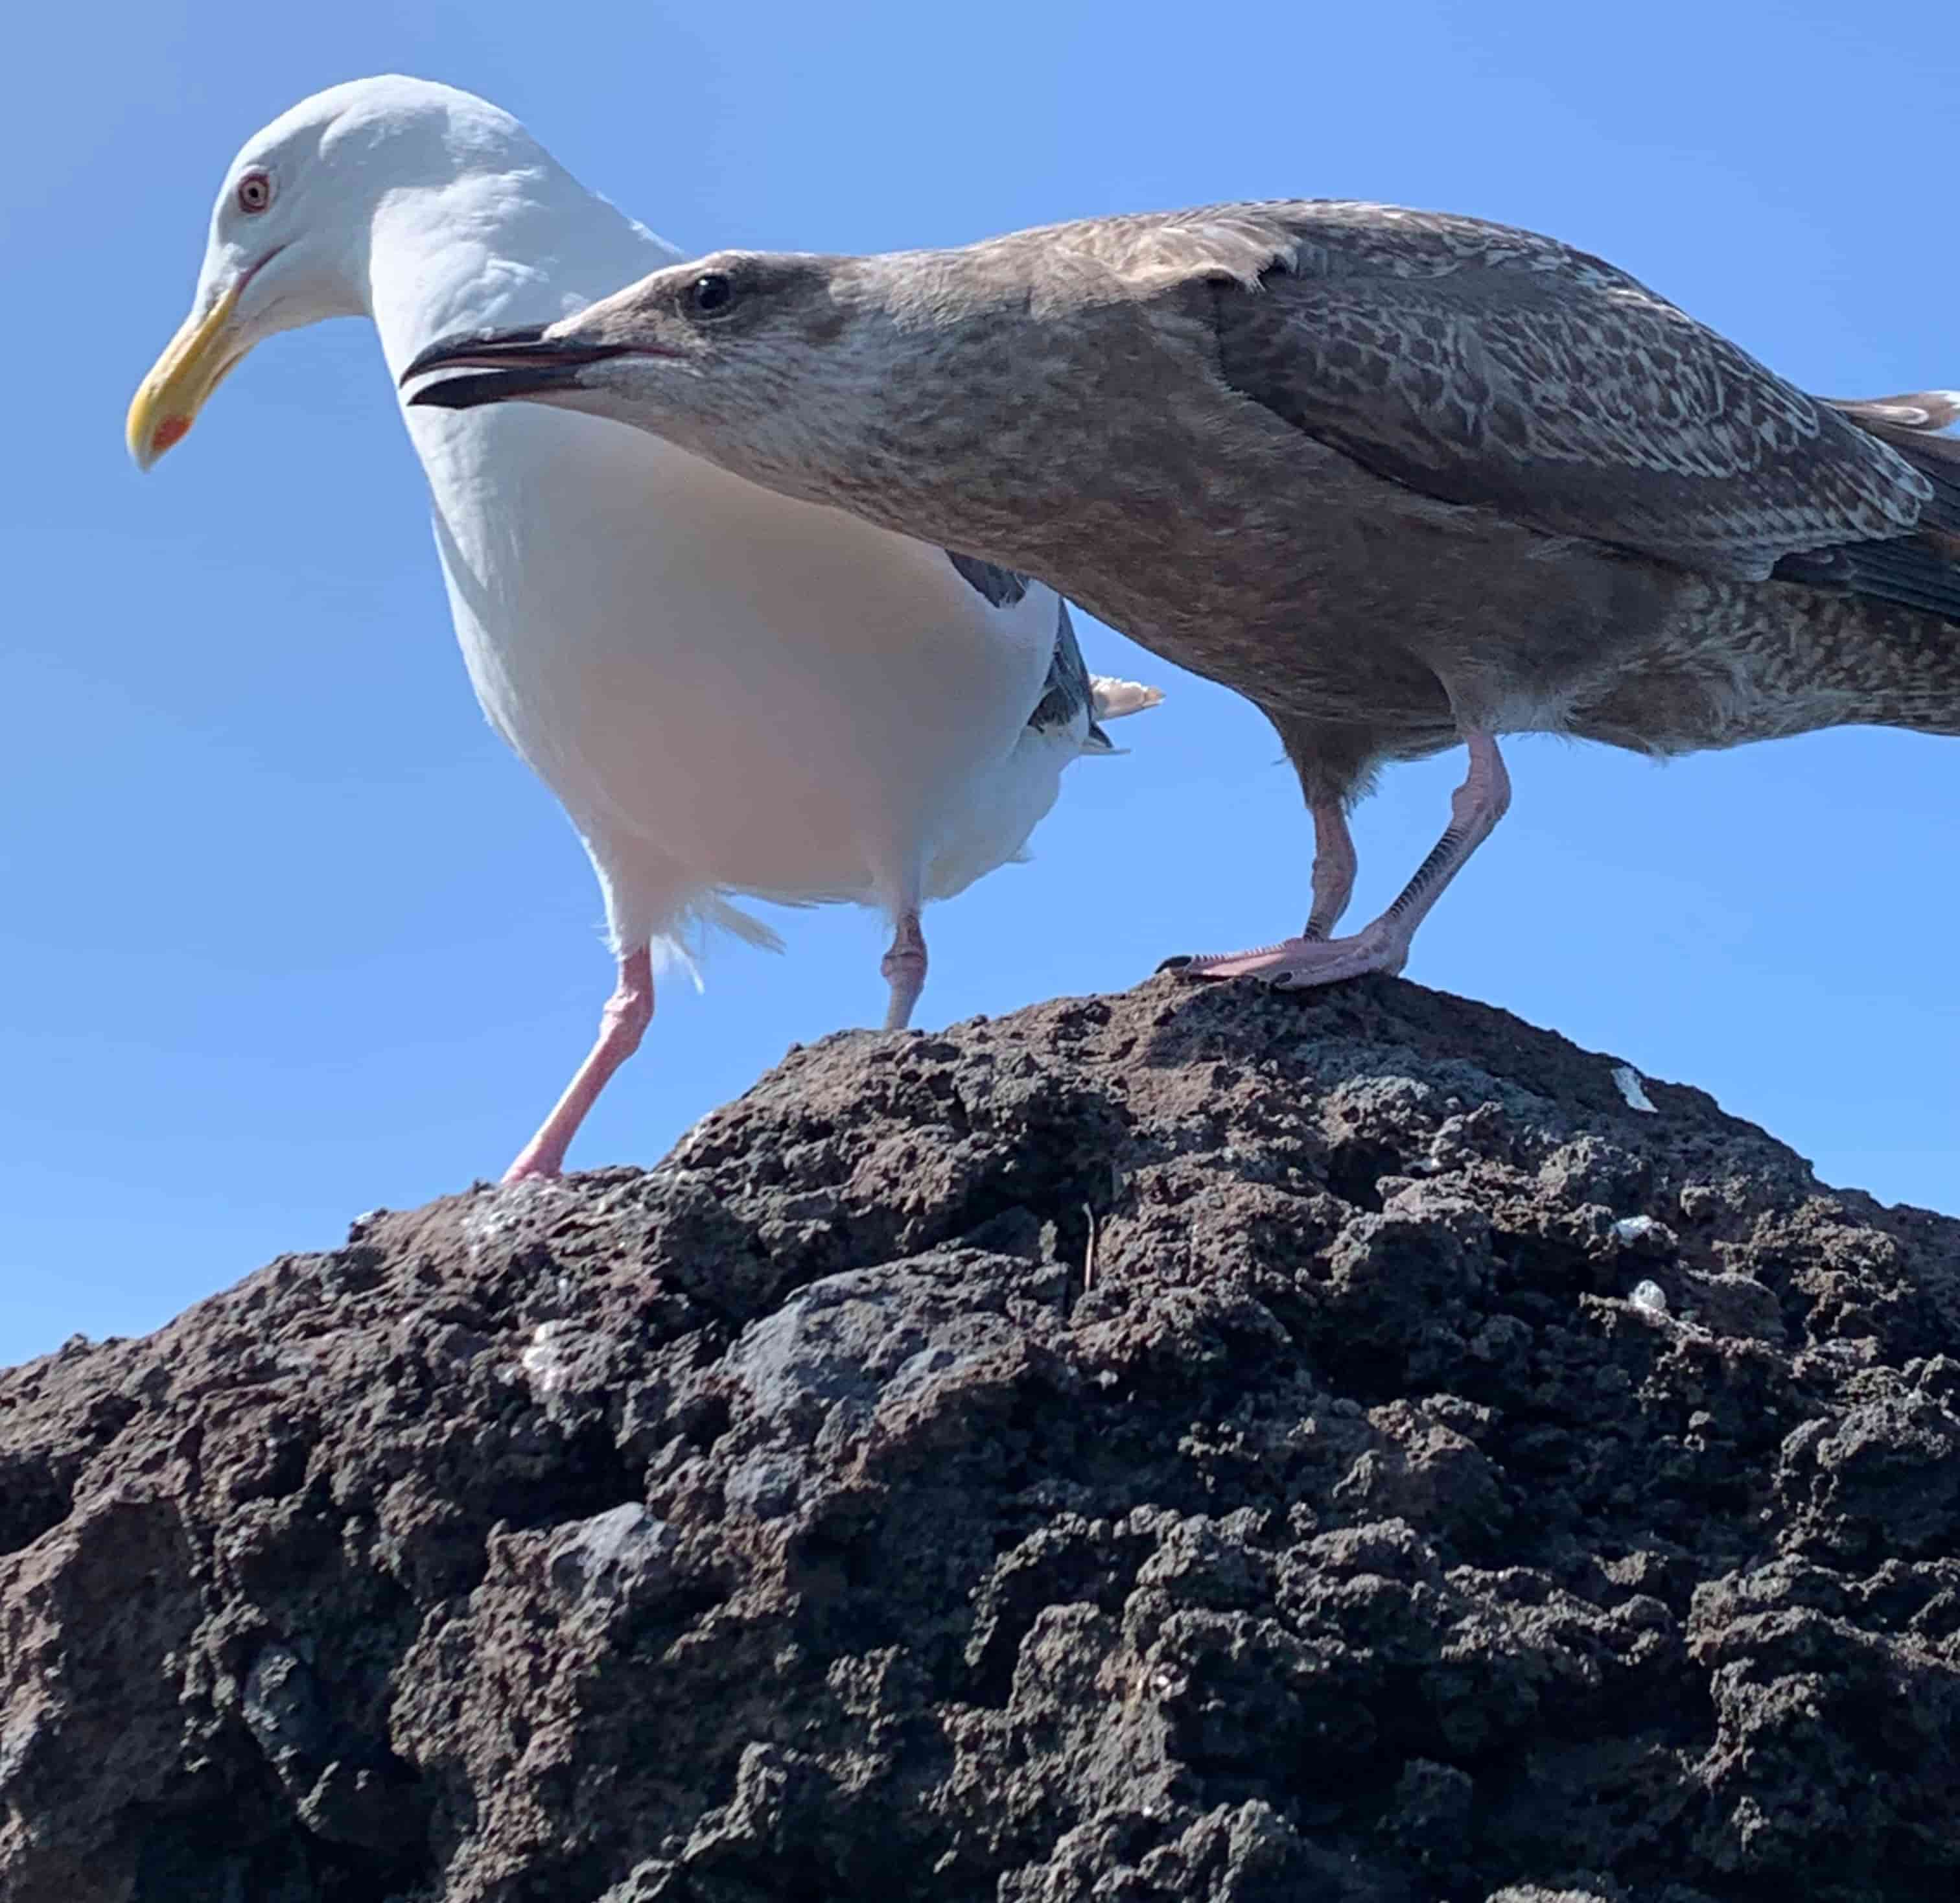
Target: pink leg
<point x="1475" y="809"/>
<point x="1333" y="868"/>
<point x="904" y="968"/>
<point x="629" y="1011"/>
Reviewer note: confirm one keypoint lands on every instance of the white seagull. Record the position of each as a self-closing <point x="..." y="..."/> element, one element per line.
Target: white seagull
<point x="730" y="692"/>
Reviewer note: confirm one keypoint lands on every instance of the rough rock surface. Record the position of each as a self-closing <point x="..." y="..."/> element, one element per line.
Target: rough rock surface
<point x="1191" y="1445"/>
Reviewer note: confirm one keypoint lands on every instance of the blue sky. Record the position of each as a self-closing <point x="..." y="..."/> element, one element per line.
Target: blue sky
<point x="286" y="935"/>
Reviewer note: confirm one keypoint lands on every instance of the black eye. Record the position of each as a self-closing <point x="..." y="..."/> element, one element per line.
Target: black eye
<point x="712" y="294"/>
<point x="255" y="192"/>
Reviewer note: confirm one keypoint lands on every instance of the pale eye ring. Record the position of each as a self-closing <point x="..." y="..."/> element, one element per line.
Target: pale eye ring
<point x="254" y="193"/>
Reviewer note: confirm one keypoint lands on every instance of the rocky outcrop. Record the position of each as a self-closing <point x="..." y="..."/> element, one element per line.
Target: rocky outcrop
<point x="1190" y="1445"/>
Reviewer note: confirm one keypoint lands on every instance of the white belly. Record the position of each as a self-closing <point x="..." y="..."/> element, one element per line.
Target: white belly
<point x="726" y="689"/>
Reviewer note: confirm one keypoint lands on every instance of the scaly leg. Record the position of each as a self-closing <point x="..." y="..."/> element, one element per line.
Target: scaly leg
<point x="904" y="968"/>
<point x="1333" y="868"/>
<point x="1383" y="946"/>
<point x="628" y="1013"/>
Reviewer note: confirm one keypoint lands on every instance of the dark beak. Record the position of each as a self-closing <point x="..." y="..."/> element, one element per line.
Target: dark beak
<point x="508" y="363"/>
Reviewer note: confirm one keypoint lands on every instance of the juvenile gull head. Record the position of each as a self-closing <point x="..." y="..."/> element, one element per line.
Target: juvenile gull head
<point x="1405" y="479"/>
<point x="760" y="362"/>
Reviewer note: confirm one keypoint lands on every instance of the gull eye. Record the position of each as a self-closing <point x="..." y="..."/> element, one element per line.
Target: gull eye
<point x="712" y="294"/>
<point x="255" y="192"/>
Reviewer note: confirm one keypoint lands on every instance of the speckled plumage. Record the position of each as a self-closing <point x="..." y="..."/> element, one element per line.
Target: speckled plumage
<point x="1400" y="478"/>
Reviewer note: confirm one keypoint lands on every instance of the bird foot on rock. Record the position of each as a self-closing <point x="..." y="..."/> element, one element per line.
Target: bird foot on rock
<point x="530" y="1168"/>
<point x="1296" y="963"/>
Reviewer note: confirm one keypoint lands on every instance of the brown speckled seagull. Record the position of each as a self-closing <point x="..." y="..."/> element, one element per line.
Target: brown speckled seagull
<point x="1404" y="480"/>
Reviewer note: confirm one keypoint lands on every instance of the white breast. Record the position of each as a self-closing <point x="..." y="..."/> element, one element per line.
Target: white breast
<point x="729" y="691"/>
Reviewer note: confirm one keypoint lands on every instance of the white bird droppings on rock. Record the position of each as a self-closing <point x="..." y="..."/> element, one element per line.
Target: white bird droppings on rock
<point x="1633" y="1088"/>
<point x="1650" y="1296"/>
<point x="543" y="1361"/>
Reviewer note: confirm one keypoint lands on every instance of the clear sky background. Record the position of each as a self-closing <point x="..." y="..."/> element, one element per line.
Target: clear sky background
<point x="285" y="934"/>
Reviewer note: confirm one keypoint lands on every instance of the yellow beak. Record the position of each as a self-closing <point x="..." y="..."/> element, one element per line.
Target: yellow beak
<point x="195" y="362"/>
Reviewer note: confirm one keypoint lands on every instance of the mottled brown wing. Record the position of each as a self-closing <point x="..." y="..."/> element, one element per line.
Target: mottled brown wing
<point x="1481" y="365"/>
<point x="1921" y="571"/>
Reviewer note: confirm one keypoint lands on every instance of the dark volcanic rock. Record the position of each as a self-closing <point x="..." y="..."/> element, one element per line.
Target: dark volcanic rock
<point x="1194" y="1445"/>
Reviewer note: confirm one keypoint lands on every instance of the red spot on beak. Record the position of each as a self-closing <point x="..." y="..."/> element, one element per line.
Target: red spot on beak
<point x="171" y="430"/>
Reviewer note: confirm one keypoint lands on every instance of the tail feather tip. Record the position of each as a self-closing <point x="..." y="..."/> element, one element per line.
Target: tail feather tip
<point x="1112" y="699"/>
